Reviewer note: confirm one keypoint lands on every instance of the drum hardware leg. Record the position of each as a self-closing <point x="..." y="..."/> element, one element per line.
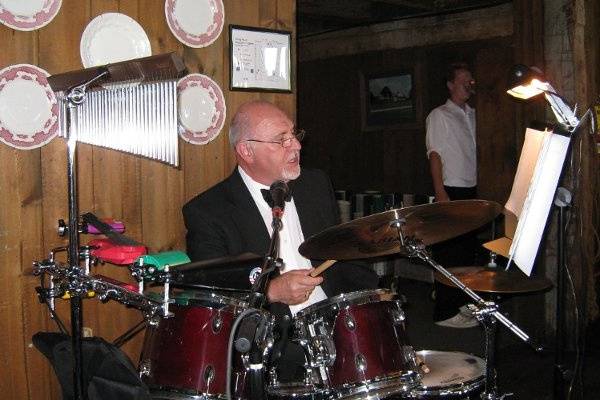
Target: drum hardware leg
<point x="485" y="316"/>
<point x="130" y="333"/>
<point x="46" y="296"/>
<point x="77" y="336"/>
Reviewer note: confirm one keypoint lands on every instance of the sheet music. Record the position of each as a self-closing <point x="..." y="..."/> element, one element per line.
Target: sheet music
<point x="527" y="160"/>
<point x="540" y="193"/>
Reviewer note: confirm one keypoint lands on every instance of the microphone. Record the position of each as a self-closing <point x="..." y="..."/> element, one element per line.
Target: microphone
<point x="279" y="194"/>
<point x="470" y="87"/>
<point x="276" y="196"/>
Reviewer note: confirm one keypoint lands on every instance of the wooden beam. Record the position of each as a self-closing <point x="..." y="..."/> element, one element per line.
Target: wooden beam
<point x="420" y="5"/>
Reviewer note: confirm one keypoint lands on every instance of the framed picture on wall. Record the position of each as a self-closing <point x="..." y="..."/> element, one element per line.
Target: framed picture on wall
<point x="260" y="59"/>
<point x="388" y="100"/>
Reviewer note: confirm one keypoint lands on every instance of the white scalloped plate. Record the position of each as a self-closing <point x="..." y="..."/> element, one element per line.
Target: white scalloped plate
<point x="28" y="15"/>
<point x="113" y="37"/>
<point x="195" y="23"/>
<point x="28" y="107"/>
<point x="202" y="109"/>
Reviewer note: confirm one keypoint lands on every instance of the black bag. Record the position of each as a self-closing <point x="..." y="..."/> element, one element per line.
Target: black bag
<point x="108" y="374"/>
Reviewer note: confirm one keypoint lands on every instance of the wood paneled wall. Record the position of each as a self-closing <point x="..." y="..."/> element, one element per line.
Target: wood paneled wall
<point x="393" y="159"/>
<point x="145" y="194"/>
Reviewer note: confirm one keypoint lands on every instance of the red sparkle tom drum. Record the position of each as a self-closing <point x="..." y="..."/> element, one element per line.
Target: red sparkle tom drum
<point x="356" y="344"/>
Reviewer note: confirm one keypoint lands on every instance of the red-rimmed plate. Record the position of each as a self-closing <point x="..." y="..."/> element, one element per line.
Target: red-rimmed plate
<point x="202" y="108"/>
<point x="28" y="107"/>
<point x="195" y="23"/>
<point x="28" y="15"/>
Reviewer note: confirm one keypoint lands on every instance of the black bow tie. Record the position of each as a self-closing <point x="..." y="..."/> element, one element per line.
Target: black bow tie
<point x="266" y="194"/>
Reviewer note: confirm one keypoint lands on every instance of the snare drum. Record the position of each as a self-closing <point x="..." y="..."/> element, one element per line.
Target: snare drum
<point x="185" y="356"/>
<point x="357" y="346"/>
<point x="452" y="375"/>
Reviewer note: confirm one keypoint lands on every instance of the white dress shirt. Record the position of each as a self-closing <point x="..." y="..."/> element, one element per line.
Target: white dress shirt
<point x="451" y="134"/>
<point x="290" y="237"/>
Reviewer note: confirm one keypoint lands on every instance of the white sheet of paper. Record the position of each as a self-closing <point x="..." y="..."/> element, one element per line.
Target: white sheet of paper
<point x="536" y="206"/>
<point x="527" y="160"/>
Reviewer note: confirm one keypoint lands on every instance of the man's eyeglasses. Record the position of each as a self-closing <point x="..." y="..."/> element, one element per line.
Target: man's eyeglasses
<point x="285" y="141"/>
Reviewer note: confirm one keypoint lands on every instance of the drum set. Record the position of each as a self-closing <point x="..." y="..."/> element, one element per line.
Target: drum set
<point x="205" y="342"/>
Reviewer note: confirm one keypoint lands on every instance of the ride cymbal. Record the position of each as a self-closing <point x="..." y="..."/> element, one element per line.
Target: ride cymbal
<point x="377" y="235"/>
<point x="495" y="280"/>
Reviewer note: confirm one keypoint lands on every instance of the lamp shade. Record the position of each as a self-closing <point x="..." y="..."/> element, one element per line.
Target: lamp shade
<point x="525" y="82"/>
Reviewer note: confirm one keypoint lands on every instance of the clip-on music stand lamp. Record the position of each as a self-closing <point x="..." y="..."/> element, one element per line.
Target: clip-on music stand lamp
<point x="525" y="83"/>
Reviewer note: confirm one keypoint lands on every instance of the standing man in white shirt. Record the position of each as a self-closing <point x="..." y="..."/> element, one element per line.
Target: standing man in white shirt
<point x="452" y="152"/>
<point x="450" y="139"/>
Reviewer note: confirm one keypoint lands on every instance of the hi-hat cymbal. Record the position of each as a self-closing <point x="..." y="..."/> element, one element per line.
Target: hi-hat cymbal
<point x="494" y="280"/>
<point x="376" y="235"/>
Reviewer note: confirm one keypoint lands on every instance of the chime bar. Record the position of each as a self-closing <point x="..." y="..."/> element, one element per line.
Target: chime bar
<point x="131" y="107"/>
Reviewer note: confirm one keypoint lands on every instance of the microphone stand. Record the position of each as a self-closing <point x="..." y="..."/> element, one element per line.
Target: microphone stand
<point x="272" y="262"/>
<point x="245" y="342"/>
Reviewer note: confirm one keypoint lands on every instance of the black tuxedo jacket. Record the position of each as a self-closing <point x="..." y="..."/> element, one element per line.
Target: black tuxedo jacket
<point x="225" y="221"/>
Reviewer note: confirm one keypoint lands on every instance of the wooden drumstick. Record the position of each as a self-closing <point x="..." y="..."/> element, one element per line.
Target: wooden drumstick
<point x="322" y="268"/>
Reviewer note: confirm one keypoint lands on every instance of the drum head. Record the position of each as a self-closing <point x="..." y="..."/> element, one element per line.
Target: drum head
<point x="450" y="372"/>
<point x="348" y="299"/>
<point x="207" y="298"/>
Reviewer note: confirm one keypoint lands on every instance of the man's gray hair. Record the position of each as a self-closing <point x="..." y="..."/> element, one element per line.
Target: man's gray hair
<point x="239" y="127"/>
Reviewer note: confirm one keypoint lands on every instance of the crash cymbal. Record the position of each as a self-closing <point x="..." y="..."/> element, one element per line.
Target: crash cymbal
<point x="494" y="280"/>
<point x="375" y="235"/>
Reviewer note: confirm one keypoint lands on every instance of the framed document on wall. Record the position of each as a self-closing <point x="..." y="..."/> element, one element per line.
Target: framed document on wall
<point x="260" y="59"/>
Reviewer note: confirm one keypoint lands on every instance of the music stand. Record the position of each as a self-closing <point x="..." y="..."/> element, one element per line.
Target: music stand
<point x="526" y="82"/>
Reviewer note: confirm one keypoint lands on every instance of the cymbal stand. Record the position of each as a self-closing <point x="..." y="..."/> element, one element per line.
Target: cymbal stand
<point x="485" y="311"/>
<point x="75" y="96"/>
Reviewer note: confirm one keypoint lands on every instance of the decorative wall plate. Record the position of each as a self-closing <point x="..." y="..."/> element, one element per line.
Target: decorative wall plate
<point x="113" y="37"/>
<point x="28" y="107"/>
<point x="195" y="23"/>
<point x="28" y="15"/>
<point x="202" y="108"/>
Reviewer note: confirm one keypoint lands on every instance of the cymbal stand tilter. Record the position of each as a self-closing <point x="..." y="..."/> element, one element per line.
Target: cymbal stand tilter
<point x="486" y="312"/>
